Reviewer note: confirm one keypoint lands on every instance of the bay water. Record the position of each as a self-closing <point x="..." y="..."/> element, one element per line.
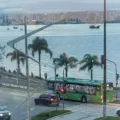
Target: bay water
<point x="75" y="40"/>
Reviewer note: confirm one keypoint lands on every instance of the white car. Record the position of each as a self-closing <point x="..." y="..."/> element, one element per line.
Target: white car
<point x="4" y="114"/>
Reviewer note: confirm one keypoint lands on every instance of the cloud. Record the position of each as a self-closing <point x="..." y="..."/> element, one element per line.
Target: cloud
<point x="29" y="6"/>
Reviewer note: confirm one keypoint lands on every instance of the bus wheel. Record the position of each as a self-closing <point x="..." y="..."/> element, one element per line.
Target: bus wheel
<point x="84" y="99"/>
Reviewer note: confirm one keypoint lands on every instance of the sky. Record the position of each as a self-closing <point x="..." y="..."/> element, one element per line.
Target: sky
<point x="45" y="6"/>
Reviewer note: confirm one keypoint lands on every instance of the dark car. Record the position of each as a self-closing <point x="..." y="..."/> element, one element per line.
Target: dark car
<point x="48" y="99"/>
<point x="4" y="114"/>
<point x="118" y="112"/>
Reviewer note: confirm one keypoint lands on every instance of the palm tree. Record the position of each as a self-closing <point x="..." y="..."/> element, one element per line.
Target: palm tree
<point x="67" y="62"/>
<point x="38" y="45"/>
<point x="57" y="62"/>
<point x="89" y="62"/>
<point x="15" y="55"/>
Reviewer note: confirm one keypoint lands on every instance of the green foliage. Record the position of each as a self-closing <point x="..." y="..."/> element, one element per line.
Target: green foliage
<point x="89" y="62"/>
<point x="15" y="55"/>
<point x="47" y="115"/>
<point x="38" y="45"/>
<point x="66" y="61"/>
<point x="118" y="88"/>
<point x="109" y="118"/>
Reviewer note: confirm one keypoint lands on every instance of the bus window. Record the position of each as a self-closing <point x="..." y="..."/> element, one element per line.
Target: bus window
<point x="92" y="90"/>
<point x="68" y="88"/>
<point x="58" y="86"/>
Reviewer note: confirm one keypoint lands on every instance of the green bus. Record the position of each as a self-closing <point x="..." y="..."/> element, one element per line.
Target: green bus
<point x="81" y="89"/>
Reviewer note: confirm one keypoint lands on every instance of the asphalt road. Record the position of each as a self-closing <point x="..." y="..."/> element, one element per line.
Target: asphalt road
<point x="12" y="98"/>
<point x="34" y="83"/>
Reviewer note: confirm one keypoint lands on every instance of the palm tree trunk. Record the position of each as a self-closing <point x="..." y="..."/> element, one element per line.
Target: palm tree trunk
<point x="18" y="63"/>
<point x="39" y="63"/>
<point x="91" y="74"/>
<point x="66" y="71"/>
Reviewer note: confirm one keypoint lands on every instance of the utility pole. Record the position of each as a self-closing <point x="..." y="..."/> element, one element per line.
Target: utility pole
<point x="17" y="67"/>
<point x="104" y="91"/>
<point x="27" y="71"/>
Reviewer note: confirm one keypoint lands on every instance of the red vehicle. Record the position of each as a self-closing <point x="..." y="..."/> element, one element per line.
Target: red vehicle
<point x="48" y="99"/>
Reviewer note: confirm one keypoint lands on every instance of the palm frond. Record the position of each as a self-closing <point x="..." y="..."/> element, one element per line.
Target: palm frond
<point x="47" y="50"/>
<point x="22" y="60"/>
<point x="97" y="63"/>
<point x="30" y="46"/>
<point x="64" y="58"/>
<point x="58" y="61"/>
<point x="94" y="57"/>
<point x="87" y="56"/>
<point x="33" y="53"/>
<point x="13" y="58"/>
<point x="9" y="54"/>
<point x="84" y="67"/>
<point x="72" y="62"/>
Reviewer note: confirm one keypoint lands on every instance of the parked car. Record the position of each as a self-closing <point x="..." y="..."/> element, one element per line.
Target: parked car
<point x="4" y="114"/>
<point x="47" y="99"/>
<point x="118" y="112"/>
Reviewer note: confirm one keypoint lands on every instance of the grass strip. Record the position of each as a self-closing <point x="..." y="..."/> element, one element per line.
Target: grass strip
<point x="47" y="115"/>
<point x="109" y="118"/>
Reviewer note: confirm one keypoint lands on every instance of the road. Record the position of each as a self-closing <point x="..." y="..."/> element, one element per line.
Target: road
<point x="34" y="83"/>
<point x="12" y="98"/>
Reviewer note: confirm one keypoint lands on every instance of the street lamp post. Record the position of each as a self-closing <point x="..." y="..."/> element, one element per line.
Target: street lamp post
<point x="104" y="92"/>
<point x="54" y="68"/>
<point x="27" y="71"/>
<point x="115" y="74"/>
<point x="63" y="80"/>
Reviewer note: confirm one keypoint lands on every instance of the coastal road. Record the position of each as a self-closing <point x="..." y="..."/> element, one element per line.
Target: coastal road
<point x="34" y="83"/>
<point x="12" y="98"/>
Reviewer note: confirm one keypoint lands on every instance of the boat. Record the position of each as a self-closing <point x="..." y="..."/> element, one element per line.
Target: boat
<point x="94" y="27"/>
<point x="14" y="27"/>
<point x="8" y="28"/>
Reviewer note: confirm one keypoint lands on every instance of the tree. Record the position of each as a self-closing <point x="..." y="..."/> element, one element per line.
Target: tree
<point x="66" y="61"/>
<point x="32" y="75"/>
<point x="15" y="55"/>
<point x="9" y="71"/>
<point x="38" y="45"/>
<point x="89" y="62"/>
<point x="57" y="62"/>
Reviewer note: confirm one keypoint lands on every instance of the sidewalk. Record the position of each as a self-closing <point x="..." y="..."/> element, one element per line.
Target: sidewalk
<point x="76" y="116"/>
<point x="87" y="112"/>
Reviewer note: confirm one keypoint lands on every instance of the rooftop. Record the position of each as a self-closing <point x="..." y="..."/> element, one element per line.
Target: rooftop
<point x="78" y="81"/>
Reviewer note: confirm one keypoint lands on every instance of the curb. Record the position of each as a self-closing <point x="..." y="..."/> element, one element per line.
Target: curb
<point x="60" y="115"/>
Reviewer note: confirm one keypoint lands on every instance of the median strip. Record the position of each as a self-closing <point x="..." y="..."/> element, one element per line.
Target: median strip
<point x="51" y="114"/>
<point x="109" y="118"/>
